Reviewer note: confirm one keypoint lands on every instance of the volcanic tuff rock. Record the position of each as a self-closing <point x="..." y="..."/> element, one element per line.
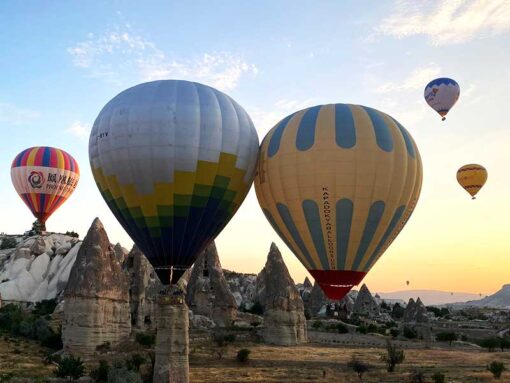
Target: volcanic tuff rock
<point x="365" y="304"/>
<point x="415" y="312"/>
<point x="144" y="288"/>
<point x="96" y="300"/>
<point x="207" y="291"/>
<point x="37" y="268"/>
<point x="242" y="286"/>
<point x="284" y="317"/>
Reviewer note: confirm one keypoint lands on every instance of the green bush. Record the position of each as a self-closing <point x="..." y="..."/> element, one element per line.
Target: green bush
<point x="490" y="343"/>
<point x="362" y="329"/>
<point x="341" y="328"/>
<point x="394" y="332"/>
<point x="135" y="362"/>
<point x="70" y="368"/>
<point x="8" y="243"/>
<point x="145" y="339"/>
<point x="416" y="377"/>
<point x="393" y="356"/>
<point x="397" y="312"/>
<point x="243" y="355"/>
<point x="358" y="367"/>
<point x="496" y="368"/>
<point x="119" y="373"/>
<point x="438" y="377"/>
<point x="316" y="325"/>
<point x="446" y="337"/>
<point x="100" y="374"/>
<point x="45" y="307"/>
<point x="410" y="333"/>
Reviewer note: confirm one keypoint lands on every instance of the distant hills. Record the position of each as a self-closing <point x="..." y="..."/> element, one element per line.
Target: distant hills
<point x="500" y="299"/>
<point x="433" y="297"/>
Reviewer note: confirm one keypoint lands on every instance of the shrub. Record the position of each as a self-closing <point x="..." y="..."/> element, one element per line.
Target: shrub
<point x="308" y="316"/>
<point x="316" y="325"/>
<point x="45" y="307"/>
<point x="394" y="332"/>
<point x="135" y="362"/>
<point x="496" y="368"/>
<point x="416" y="377"/>
<point x="256" y="309"/>
<point x="372" y="328"/>
<point x="490" y="343"/>
<point x="104" y="347"/>
<point x="341" y="328"/>
<point x="8" y="243"/>
<point x="72" y="234"/>
<point x="145" y="339"/>
<point x="446" y="337"/>
<point x="438" y="377"/>
<point x="120" y="374"/>
<point x="243" y="355"/>
<point x="410" y="333"/>
<point x="70" y="368"/>
<point x="100" y="374"/>
<point x="222" y="340"/>
<point x="504" y="343"/>
<point x="358" y="367"/>
<point x="393" y="356"/>
<point x="398" y="311"/>
<point x="53" y="341"/>
<point x="362" y="329"/>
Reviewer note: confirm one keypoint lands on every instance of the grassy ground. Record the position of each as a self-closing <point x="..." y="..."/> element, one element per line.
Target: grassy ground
<point x="307" y="363"/>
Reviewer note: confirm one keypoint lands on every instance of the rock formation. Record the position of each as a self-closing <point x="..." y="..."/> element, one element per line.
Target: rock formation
<point x="37" y="268"/>
<point x="243" y="288"/>
<point x="415" y="312"/>
<point x="172" y="345"/>
<point x="284" y="318"/>
<point x="144" y="288"/>
<point x="365" y="304"/>
<point x="207" y="291"/>
<point x="96" y="299"/>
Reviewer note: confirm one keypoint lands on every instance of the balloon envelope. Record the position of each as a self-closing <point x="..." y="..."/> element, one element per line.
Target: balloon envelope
<point x="174" y="160"/>
<point x="44" y="178"/>
<point x="472" y="177"/>
<point x="338" y="183"/>
<point x="441" y="94"/>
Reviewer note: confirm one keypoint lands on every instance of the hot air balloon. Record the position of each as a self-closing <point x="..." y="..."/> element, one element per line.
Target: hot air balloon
<point x="441" y="94"/>
<point x="44" y="177"/>
<point x="338" y="183"/>
<point x="472" y="177"/>
<point x="407" y="283"/>
<point x="173" y="160"/>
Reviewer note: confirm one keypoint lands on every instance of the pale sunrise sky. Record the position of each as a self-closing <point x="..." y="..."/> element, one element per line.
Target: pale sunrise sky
<point x="62" y="61"/>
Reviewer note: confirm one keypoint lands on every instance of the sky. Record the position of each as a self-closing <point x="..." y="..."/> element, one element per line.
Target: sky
<point x="62" y="61"/>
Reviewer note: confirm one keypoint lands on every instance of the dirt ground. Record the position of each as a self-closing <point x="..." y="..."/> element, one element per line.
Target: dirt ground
<point x="307" y="363"/>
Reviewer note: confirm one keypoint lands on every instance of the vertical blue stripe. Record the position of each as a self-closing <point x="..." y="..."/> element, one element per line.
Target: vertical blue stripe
<point x="407" y="138"/>
<point x="345" y="129"/>
<point x="381" y="130"/>
<point x="394" y="221"/>
<point x="374" y="217"/>
<point x="46" y="157"/>
<point x="42" y="202"/>
<point x="344" y="209"/>
<point x="20" y="157"/>
<point x="278" y="230"/>
<point x="313" y="220"/>
<point x="306" y="131"/>
<point x="291" y="227"/>
<point x="276" y="138"/>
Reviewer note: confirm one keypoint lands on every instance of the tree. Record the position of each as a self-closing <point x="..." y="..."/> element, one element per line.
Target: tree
<point x="504" y="343"/>
<point x="496" y="368"/>
<point x="490" y="343"/>
<point x="222" y="341"/>
<point x="393" y="356"/>
<point x="38" y="227"/>
<point x="100" y="374"/>
<point x="243" y="355"/>
<point x="8" y="243"/>
<point x="358" y="367"/>
<point x="410" y="333"/>
<point x="70" y="368"/>
<point x="438" y="377"/>
<point x="446" y="337"/>
<point x="416" y="377"/>
<point x="398" y="311"/>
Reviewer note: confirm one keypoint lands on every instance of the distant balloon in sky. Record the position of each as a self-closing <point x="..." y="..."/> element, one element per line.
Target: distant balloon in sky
<point x="338" y="183"/>
<point x="173" y="160"/>
<point x="472" y="177"/>
<point x="441" y="94"/>
<point x="44" y="178"/>
<point x="407" y="283"/>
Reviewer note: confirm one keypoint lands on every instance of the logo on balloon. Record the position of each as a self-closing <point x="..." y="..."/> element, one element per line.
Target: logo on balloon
<point x="36" y="179"/>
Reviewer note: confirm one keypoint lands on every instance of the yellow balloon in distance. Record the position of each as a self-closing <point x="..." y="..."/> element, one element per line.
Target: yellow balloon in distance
<point x="472" y="177"/>
<point x="337" y="183"/>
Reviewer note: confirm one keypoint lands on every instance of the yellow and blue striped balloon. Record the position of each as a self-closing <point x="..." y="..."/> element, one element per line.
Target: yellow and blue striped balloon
<point x="338" y="182"/>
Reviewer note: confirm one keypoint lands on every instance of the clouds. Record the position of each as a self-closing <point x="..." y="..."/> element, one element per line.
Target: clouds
<point x="11" y="114"/>
<point x="79" y="130"/>
<point x="416" y="80"/>
<point x="447" y="22"/>
<point x="122" y="55"/>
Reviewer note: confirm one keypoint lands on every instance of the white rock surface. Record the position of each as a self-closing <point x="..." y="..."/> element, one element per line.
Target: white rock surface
<point x="31" y="273"/>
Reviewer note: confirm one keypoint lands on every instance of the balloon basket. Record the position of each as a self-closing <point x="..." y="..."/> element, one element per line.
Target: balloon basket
<point x="444" y="118"/>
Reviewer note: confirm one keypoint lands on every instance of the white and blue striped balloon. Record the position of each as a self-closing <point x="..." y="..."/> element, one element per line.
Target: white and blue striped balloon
<point x="441" y="94"/>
